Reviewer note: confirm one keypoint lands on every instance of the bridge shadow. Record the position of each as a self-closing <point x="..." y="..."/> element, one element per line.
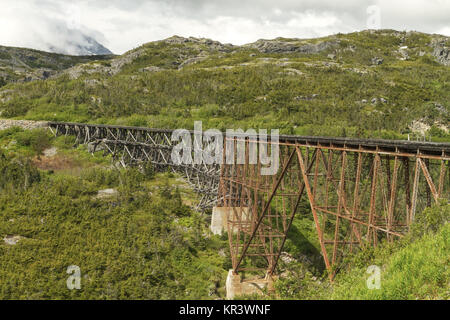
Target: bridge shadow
<point x="304" y="251"/>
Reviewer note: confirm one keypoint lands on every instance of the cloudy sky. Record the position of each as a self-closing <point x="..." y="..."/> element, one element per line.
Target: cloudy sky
<point x="121" y="25"/>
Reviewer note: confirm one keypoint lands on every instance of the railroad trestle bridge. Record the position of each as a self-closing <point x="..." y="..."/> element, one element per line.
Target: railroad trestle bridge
<point x="359" y="191"/>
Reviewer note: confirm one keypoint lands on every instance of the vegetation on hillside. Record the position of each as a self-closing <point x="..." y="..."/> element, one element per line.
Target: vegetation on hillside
<point x="144" y="242"/>
<point x="338" y="91"/>
<point x="414" y="268"/>
<point x="21" y="64"/>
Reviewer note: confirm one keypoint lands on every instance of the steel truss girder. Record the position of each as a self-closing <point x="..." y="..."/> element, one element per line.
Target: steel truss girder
<point x="359" y="191"/>
<point x="358" y="197"/>
<point x="136" y="146"/>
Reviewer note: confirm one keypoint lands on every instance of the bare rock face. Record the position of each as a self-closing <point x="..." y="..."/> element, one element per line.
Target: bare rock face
<point x="377" y="61"/>
<point x="50" y="152"/>
<point x="191" y="61"/>
<point x="442" y="54"/>
<point x="12" y="240"/>
<point x="39" y="74"/>
<point x="278" y="46"/>
<point x="331" y="56"/>
<point x="106" y="193"/>
<point x="293" y="72"/>
<point x="419" y="126"/>
<point x="151" y="69"/>
<point x="113" y="67"/>
<point x="287" y="258"/>
<point x="95" y="146"/>
<point x="211" y="44"/>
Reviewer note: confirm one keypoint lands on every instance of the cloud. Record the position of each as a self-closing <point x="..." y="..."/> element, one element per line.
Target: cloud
<point x="123" y="25"/>
<point x="45" y="26"/>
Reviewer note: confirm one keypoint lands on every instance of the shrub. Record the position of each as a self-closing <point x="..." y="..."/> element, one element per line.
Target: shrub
<point x="102" y="177"/>
<point x="17" y="172"/>
<point x="431" y="219"/>
<point x="38" y="140"/>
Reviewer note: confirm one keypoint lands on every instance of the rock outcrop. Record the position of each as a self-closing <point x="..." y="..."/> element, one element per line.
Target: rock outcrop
<point x="442" y="53"/>
<point x="377" y="61"/>
<point x="279" y="46"/>
<point x="210" y="44"/>
<point x="12" y="240"/>
<point x="24" y="124"/>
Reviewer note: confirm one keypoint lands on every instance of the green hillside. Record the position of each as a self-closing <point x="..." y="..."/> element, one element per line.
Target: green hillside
<point x="144" y="241"/>
<point x="367" y="84"/>
<point x="134" y="233"/>
<point x="141" y="242"/>
<point x="24" y="65"/>
<point x="414" y="268"/>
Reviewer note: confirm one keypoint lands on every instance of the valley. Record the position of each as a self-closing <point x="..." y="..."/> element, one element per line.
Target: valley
<point x="135" y="233"/>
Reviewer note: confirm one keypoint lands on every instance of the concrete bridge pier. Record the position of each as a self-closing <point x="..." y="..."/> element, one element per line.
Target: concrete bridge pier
<point x="221" y="216"/>
<point x="236" y="286"/>
<point x="219" y="220"/>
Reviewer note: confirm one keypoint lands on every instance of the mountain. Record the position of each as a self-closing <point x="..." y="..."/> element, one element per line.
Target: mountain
<point x="382" y="83"/>
<point x="22" y="65"/>
<point x="79" y="44"/>
<point x="143" y="240"/>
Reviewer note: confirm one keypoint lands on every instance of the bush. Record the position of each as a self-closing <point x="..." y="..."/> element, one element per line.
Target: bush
<point x="73" y="187"/>
<point x="431" y="219"/>
<point x="38" y="140"/>
<point x="102" y="177"/>
<point x="138" y="249"/>
<point x="436" y="132"/>
<point x="18" y="107"/>
<point x="10" y="132"/>
<point x="17" y="172"/>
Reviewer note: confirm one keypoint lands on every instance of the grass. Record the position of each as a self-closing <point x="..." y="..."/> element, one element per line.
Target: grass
<point x="417" y="271"/>
<point x="413" y="268"/>
<point x="142" y="243"/>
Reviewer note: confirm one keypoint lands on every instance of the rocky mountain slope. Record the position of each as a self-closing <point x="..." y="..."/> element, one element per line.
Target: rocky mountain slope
<point x="180" y="51"/>
<point x="85" y="46"/>
<point x="21" y="65"/>
<point x="381" y="83"/>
